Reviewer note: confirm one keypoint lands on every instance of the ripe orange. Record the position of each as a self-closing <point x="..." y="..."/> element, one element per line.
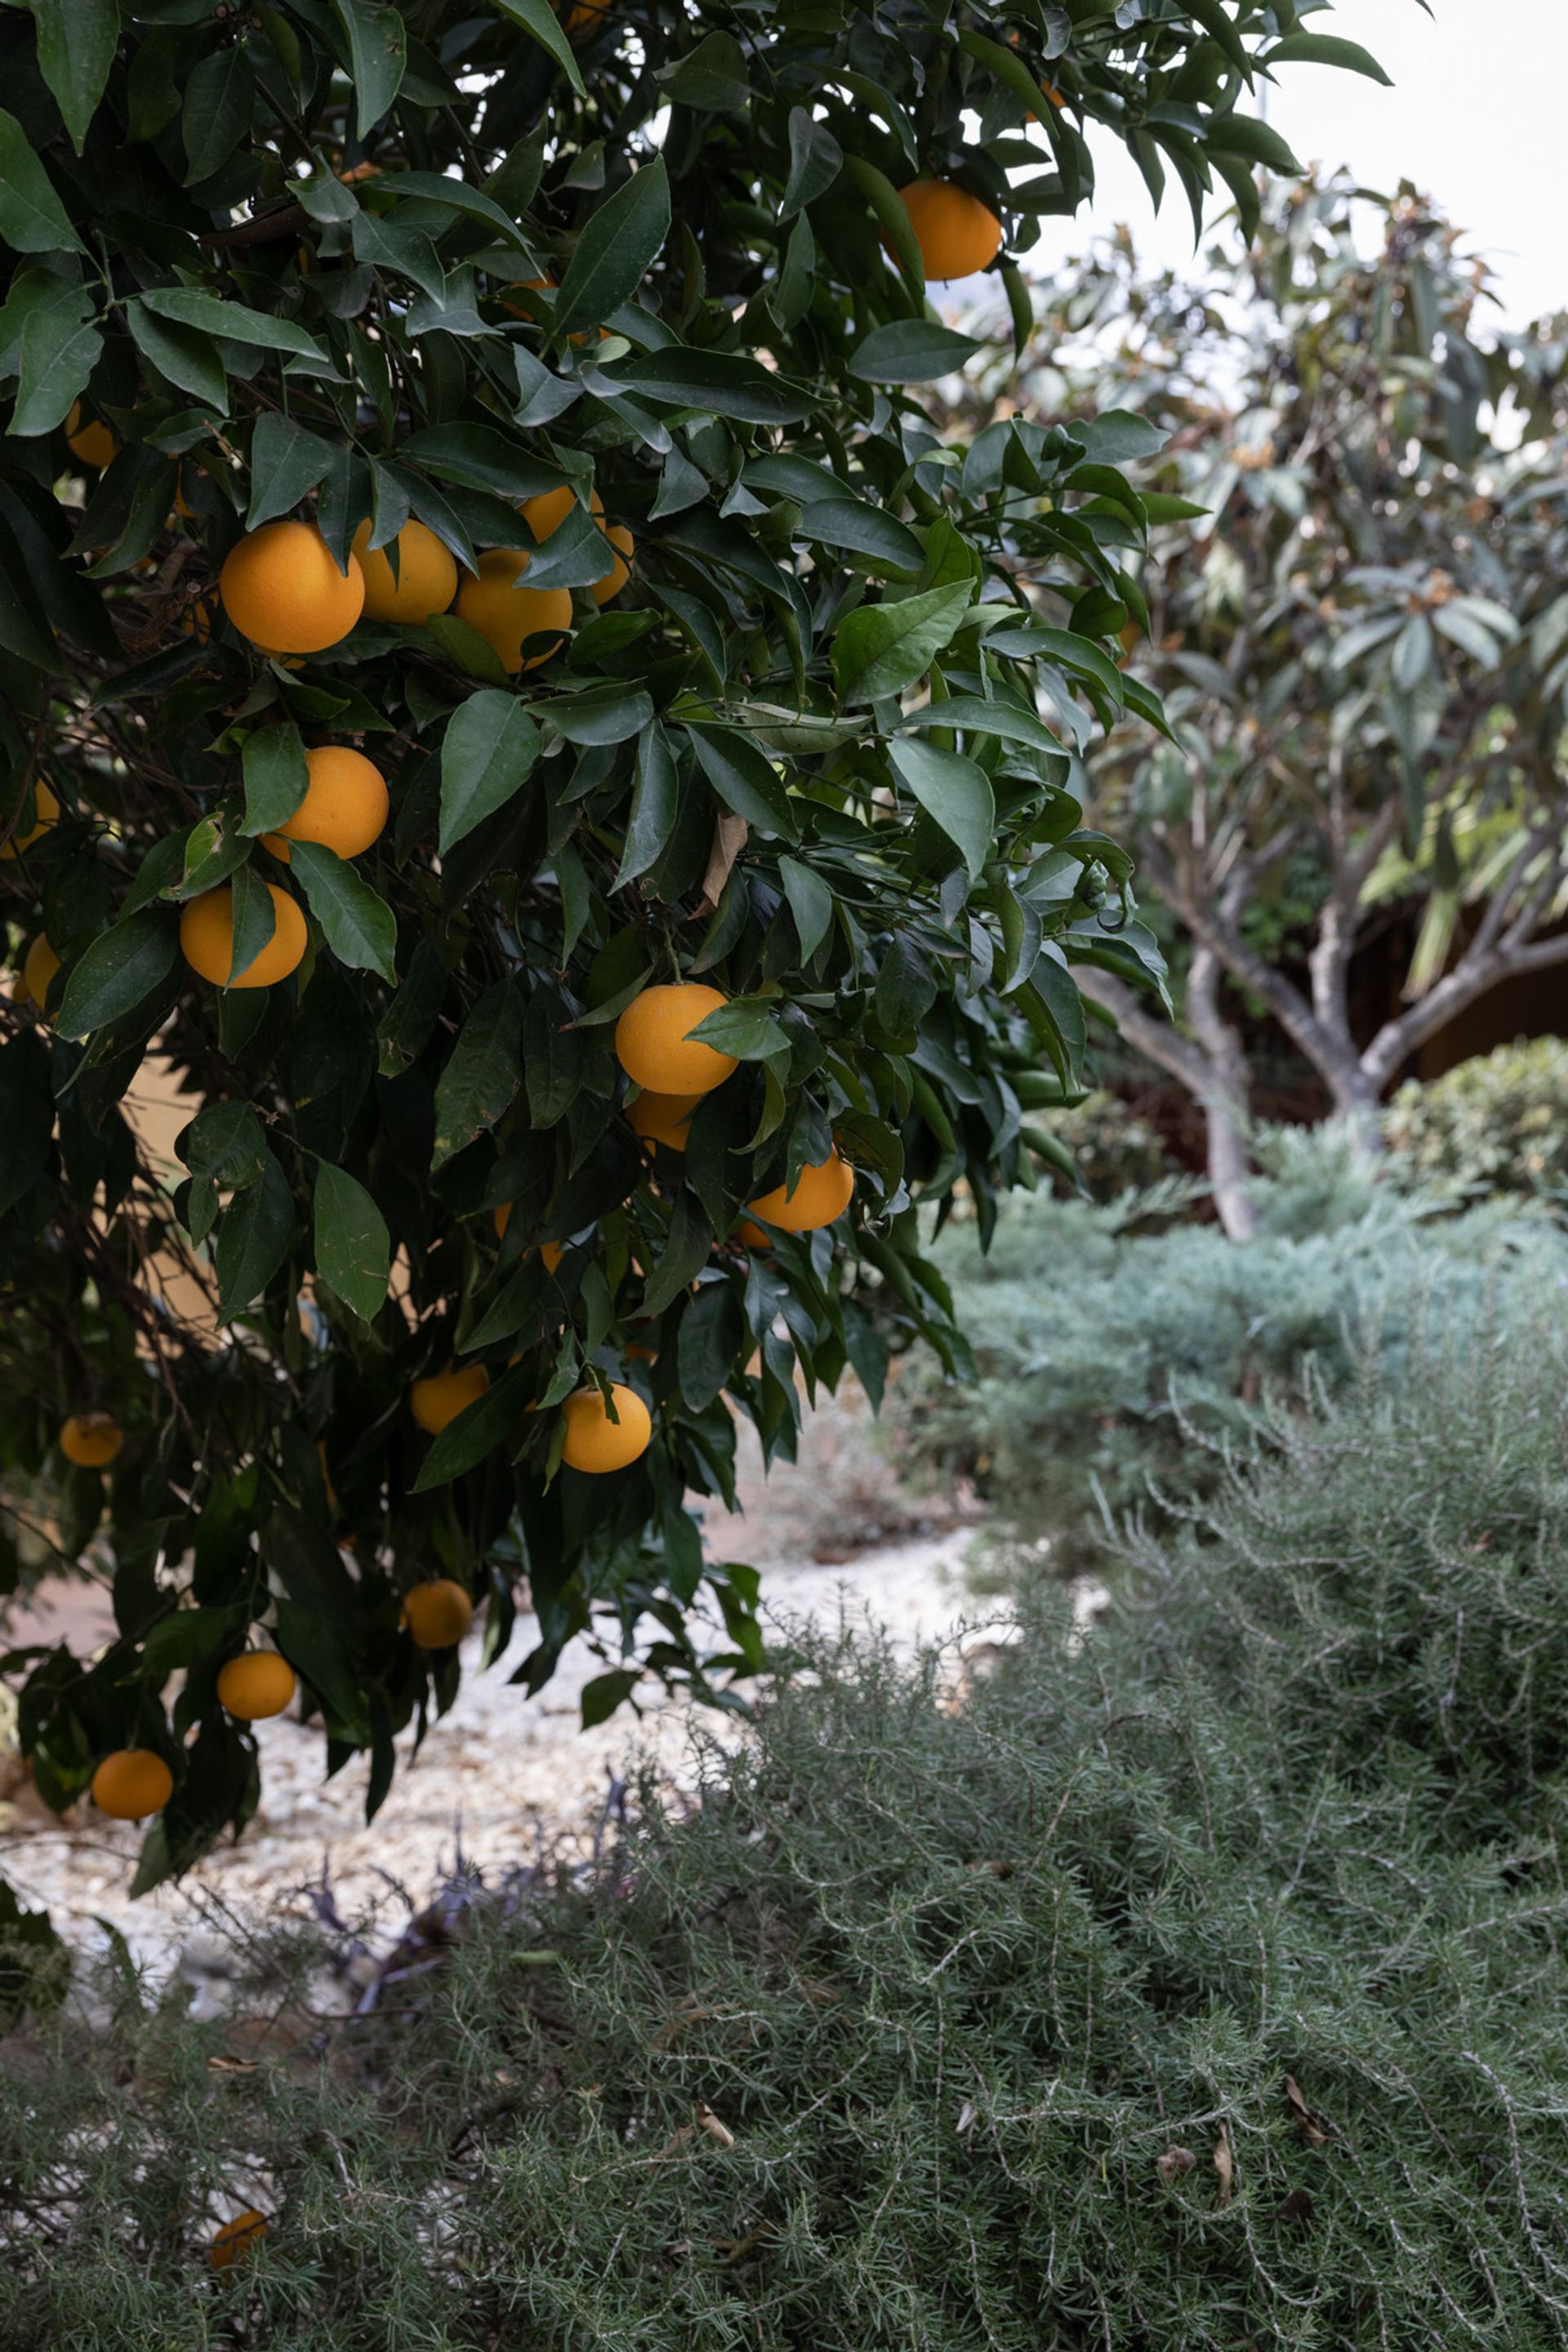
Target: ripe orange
<point x="86" y="439"/>
<point x="282" y="589"/>
<point x="236" y="2239"/>
<point x="957" y="234"/>
<point x="624" y="546"/>
<point x="504" y="612"/>
<point x="751" y="1235"/>
<point x="133" y="1783"/>
<point x="90" y="1440"/>
<point x="547" y="512"/>
<point x="38" y="968"/>
<point x="256" y="1685"/>
<point x="594" y="1441"/>
<point x="438" y="1613"/>
<point x="654" y="1046"/>
<point x="206" y="939"/>
<point x="817" y="1197"/>
<point x="426" y="578"/>
<point x="344" y="807"/>
<point x="662" y="1118"/>
<point x="444" y="1395"/>
<point x="47" y="810"/>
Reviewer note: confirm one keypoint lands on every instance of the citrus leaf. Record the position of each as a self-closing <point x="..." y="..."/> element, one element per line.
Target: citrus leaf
<point x="487" y="755"/>
<point x="353" y="1248"/>
<point x="361" y="927"/>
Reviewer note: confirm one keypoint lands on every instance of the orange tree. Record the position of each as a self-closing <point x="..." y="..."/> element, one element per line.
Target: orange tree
<point x="511" y="708"/>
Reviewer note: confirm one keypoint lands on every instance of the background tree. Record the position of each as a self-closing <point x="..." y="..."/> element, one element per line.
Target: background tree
<point x="1360" y="641"/>
<point x="386" y="884"/>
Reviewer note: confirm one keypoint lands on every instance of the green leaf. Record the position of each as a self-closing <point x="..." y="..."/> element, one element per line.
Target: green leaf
<point x="254" y="915"/>
<point x="253" y="1240"/>
<point x="911" y="351"/>
<point x="59" y="354"/>
<point x="1259" y="142"/>
<point x="607" y="714"/>
<point x="456" y="196"/>
<point x="361" y="927"/>
<point x="744" y="779"/>
<point x="115" y="972"/>
<point x="815" y="160"/>
<point x="484" y="1072"/>
<point x="1325" y="49"/>
<point x="225" y="1141"/>
<point x="482" y="458"/>
<point x="603" y="1694"/>
<point x="216" y="117"/>
<point x="711" y="77"/>
<point x="77" y="41"/>
<point x="686" y="1252"/>
<point x="32" y="217"/>
<point x="353" y="1248"/>
<point x="487" y="755"/>
<point x="656" y="800"/>
<point x="538" y="17"/>
<point x="721" y="383"/>
<point x="276" y="777"/>
<point x="189" y="361"/>
<point x="810" y="903"/>
<point x="378" y="56"/>
<point x="402" y="248"/>
<point x="954" y="793"/>
<point x="286" y="463"/>
<point x="234" y="320"/>
<point x="615" y="249"/>
<point x="478" y="1430"/>
<point x="879" y="649"/>
<point x="1003" y="720"/>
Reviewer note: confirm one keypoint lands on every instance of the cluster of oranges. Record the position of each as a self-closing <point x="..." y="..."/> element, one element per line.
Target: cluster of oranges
<point x="281" y="587"/>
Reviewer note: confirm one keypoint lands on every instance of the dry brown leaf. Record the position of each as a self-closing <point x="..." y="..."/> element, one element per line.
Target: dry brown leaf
<point x="708" y="2122"/>
<point x="730" y="834"/>
<point x="225" y="2064"/>
<point x="1312" y="2131"/>
<point x="1224" y="2164"/>
<point x="677" y="2139"/>
<point x="1175" y="2163"/>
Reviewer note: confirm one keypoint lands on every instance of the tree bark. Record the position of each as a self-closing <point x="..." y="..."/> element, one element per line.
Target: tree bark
<point x="1216" y="1080"/>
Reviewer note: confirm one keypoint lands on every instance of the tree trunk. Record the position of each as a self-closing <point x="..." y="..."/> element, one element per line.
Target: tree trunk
<point x="1223" y="1096"/>
<point x="1230" y="1173"/>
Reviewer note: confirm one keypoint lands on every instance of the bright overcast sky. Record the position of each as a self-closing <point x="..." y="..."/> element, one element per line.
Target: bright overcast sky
<point x="1479" y="127"/>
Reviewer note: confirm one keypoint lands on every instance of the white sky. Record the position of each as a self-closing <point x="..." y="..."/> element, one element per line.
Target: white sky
<point x="1478" y="128"/>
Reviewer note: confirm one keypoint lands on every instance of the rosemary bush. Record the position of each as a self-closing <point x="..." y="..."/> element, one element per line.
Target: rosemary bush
<point x="1198" y="1985"/>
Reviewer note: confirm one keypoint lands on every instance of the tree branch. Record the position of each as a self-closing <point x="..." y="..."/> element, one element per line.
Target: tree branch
<point x="1156" y="1040"/>
<point x="1471" y="978"/>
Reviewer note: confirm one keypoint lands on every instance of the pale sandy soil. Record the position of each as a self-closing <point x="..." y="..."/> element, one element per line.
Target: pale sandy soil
<point x="501" y="1772"/>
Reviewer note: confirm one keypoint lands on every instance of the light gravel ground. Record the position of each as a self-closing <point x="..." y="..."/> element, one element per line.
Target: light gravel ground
<point x="501" y="1772"/>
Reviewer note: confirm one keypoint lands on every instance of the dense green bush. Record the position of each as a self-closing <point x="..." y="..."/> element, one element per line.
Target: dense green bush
<point x="1201" y="1992"/>
<point x="1095" y="1341"/>
<point x="1385" y="1591"/>
<point x="1496" y="1124"/>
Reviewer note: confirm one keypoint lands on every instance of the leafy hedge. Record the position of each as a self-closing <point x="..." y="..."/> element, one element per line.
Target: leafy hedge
<point x="1198" y="1985"/>
<point x="1096" y="1341"/>
<point x="1498" y="1123"/>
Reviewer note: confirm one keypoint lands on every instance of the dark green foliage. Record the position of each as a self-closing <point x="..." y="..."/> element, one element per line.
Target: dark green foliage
<point x="1496" y="1124"/>
<point x="1101" y="1349"/>
<point x="363" y="263"/>
<point x="1196" y="1987"/>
